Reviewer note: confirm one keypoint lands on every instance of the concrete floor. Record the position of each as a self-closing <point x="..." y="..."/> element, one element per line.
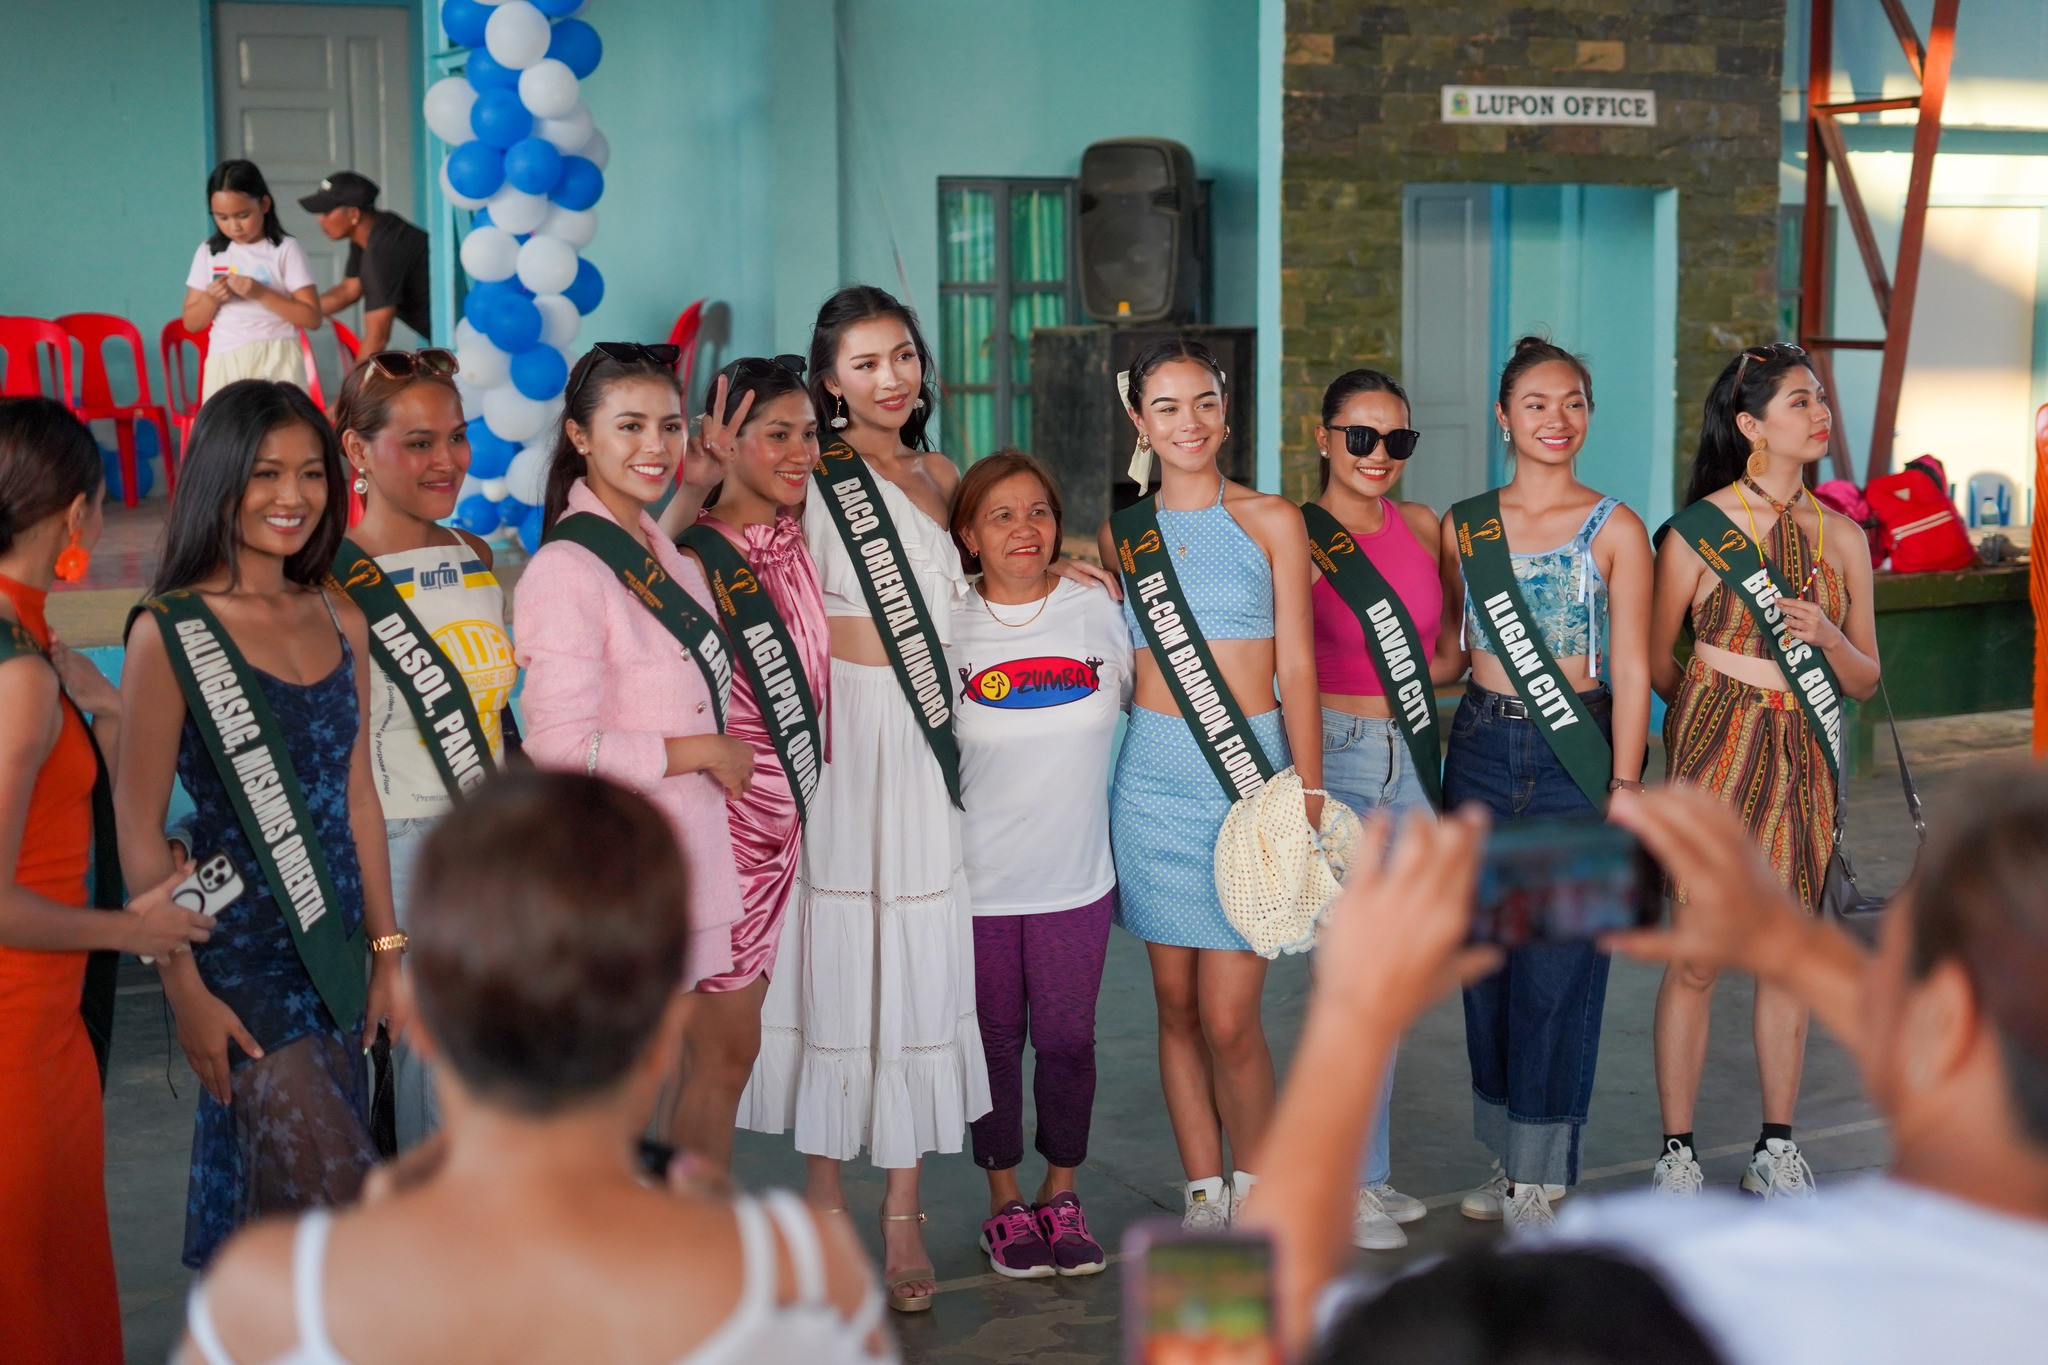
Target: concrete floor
<point x="1132" y="1172"/>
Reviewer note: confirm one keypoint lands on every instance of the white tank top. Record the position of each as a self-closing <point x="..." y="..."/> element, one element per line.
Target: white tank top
<point x="459" y="602"/>
<point x="934" y="560"/>
<point x="760" y="1329"/>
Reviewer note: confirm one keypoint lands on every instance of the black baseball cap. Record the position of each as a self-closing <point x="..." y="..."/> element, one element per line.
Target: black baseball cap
<point x="342" y="190"/>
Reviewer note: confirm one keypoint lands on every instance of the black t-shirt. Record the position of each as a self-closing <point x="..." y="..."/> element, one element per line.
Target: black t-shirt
<point x="393" y="270"/>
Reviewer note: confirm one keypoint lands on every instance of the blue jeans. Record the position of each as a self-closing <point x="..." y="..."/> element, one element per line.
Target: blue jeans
<point x="1366" y="765"/>
<point x="1532" y="1029"/>
<point x="418" y="1111"/>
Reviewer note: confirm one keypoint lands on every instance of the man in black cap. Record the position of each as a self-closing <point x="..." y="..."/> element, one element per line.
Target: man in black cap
<point x="387" y="259"/>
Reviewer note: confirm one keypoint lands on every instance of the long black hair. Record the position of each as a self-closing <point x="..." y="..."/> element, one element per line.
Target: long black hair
<point x="1165" y="352"/>
<point x="242" y="177"/>
<point x="1348" y="386"/>
<point x="1531" y="351"/>
<point x="202" y="533"/>
<point x="48" y="459"/>
<point x="586" y="391"/>
<point x="859" y="303"/>
<point x="1747" y="383"/>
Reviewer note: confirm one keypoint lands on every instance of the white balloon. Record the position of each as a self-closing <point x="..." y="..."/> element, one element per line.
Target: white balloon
<point x="471" y="486"/>
<point x="547" y="265"/>
<point x="447" y="109"/>
<point x="517" y="35"/>
<point x="455" y="196"/>
<point x="570" y="133"/>
<point x="548" y="88"/>
<point x="574" y="226"/>
<point x="472" y="402"/>
<point x="559" y="323"/>
<point x="490" y="253"/>
<point x="482" y="362"/>
<point x="526" y="478"/>
<point x="597" y="151"/>
<point x="494" y="489"/>
<point x="512" y="414"/>
<point x="515" y="210"/>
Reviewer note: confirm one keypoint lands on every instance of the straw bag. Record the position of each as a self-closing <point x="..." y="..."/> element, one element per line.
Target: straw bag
<point x="1273" y="876"/>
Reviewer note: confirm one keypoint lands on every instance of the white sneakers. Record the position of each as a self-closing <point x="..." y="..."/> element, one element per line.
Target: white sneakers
<point x="1208" y="1206"/>
<point x="1489" y="1202"/>
<point x="1779" y="1172"/>
<point x="1677" y="1174"/>
<point x="1528" y="1206"/>
<point x="1376" y="1218"/>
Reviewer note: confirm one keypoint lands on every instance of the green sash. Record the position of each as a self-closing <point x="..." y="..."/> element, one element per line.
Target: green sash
<point x="1560" y="716"/>
<point x="1214" y="718"/>
<point x="432" y="685"/>
<point x="775" y="671"/>
<point x="1715" y="539"/>
<point x="1390" y="637"/>
<point x="644" y="577"/>
<point x="855" y="505"/>
<point x="227" y="704"/>
<point x="96" y="1001"/>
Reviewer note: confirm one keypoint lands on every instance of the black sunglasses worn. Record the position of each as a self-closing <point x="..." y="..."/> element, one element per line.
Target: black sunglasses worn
<point x="624" y="353"/>
<point x="1362" y="441"/>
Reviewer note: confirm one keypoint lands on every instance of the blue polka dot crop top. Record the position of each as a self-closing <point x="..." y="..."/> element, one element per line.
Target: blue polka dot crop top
<point x="1223" y="573"/>
<point x="1565" y="592"/>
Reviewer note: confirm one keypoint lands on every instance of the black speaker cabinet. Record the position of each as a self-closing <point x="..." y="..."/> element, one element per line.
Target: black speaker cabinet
<point x="1078" y="425"/>
<point x="1141" y="230"/>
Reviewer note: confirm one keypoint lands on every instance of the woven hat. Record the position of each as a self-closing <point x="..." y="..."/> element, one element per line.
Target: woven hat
<point x="1273" y="876"/>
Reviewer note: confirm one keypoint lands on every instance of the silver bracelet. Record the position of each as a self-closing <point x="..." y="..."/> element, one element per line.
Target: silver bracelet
<point x="1313" y="791"/>
<point x="590" y="759"/>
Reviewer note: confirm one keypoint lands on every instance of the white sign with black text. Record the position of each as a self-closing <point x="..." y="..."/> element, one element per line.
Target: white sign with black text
<point x="1538" y="104"/>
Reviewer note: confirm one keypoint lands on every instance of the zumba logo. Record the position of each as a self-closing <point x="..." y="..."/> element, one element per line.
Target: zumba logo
<point x="1029" y="684"/>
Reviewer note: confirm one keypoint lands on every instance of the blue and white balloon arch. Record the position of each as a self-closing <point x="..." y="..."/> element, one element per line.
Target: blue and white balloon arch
<point x="527" y="159"/>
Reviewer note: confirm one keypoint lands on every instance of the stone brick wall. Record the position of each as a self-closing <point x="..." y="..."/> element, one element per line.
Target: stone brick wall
<point x="1362" y="119"/>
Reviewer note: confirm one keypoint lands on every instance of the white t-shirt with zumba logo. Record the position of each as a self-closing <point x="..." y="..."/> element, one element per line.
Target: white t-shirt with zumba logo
<point x="1036" y="703"/>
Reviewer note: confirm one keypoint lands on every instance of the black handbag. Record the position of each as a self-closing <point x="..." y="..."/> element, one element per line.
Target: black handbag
<point x="383" y="1096"/>
<point x="1841" y="898"/>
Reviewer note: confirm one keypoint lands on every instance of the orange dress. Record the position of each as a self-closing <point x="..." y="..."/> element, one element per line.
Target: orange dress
<point x="58" y="1304"/>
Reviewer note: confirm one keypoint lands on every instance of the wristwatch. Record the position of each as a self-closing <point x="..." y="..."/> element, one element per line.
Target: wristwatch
<point x="1615" y="784"/>
<point x="390" y="943"/>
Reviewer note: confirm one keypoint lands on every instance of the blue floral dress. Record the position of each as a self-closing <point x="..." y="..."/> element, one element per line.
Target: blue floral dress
<point x="297" y="1134"/>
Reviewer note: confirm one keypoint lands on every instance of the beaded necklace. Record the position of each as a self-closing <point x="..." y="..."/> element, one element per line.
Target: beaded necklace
<point x="1784" y="509"/>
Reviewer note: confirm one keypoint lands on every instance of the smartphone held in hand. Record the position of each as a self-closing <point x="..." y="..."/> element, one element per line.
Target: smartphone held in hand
<point x="1198" y="1298"/>
<point x="211" y="887"/>
<point x="1564" y="881"/>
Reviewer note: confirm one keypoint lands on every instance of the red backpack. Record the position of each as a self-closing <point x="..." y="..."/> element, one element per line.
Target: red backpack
<point x="1920" y="523"/>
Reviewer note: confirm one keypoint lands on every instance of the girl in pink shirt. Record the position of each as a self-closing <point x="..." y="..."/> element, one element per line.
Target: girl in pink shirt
<point x="609" y="690"/>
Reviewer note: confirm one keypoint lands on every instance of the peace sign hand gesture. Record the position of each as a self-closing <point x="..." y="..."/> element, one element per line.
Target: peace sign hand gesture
<point x="714" y="443"/>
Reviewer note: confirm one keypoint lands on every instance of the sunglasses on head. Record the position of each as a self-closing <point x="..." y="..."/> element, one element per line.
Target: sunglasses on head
<point x="756" y="365"/>
<point x="1770" y="352"/>
<point x="1362" y="441"/>
<point x="405" y="364"/>
<point x="625" y="353"/>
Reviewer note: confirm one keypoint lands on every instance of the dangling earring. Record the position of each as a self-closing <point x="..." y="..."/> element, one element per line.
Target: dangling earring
<point x="73" y="560"/>
<point x="362" y="483"/>
<point x="1759" y="459"/>
<point x="1140" y="468"/>
<point x="839" y="419"/>
<point x="919" y="404"/>
<point x="1505" y="438"/>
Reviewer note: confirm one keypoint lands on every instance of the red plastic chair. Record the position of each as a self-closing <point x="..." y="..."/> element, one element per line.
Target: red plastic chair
<point x="684" y="334"/>
<point x="180" y="378"/>
<point x="22" y="341"/>
<point x="95" y="394"/>
<point x="312" y="371"/>
<point x="355" y="499"/>
<point x="348" y="343"/>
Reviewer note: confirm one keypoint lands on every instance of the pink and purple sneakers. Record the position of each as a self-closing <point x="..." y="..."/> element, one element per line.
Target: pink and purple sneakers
<point x="1065" y="1229"/>
<point x="1015" y="1244"/>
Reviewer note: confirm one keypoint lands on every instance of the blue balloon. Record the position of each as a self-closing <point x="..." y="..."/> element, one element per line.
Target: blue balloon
<point x="556" y="9"/>
<point x="476" y="169"/>
<point x="533" y="164"/>
<point x="485" y="74"/>
<point x="478" y="515"/>
<point x="576" y="45"/>
<point x="587" y="290"/>
<point x="581" y="186"/>
<point x="463" y="21"/>
<point x="499" y="118"/>
<point x="539" y="372"/>
<point x="515" y="324"/>
<point x="478" y="302"/>
<point x="490" y="454"/>
<point x="530" y="528"/>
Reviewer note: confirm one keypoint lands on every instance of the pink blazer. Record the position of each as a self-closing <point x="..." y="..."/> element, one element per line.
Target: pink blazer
<point x="598" y="664"/>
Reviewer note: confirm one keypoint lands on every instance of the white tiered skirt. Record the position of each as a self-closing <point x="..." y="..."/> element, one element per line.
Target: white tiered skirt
<point x="868" y="1032"/>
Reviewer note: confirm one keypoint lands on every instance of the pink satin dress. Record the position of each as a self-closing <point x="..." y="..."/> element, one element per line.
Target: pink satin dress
<point x="766" y="835"/>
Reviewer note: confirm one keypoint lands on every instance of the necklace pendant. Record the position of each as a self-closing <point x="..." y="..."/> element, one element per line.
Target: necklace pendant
<point x="1183" y="550"/>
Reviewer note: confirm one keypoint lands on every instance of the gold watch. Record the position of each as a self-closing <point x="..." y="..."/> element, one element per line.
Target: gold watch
<point x="390" y="943"/>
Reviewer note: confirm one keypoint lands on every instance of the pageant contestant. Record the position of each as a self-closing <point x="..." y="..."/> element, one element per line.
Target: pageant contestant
<point x="761" y="433"/>
<point x="627" y="672"/>
<point x="246" y="681"/>
<point x="869" y="1036"/>
<point x="1044" y="672"/>
<point x="1541" y="570"/>
<point x="250" y="288"/>
<point x="444" y="668"/>
<point x="1773" y="587"/>
<point x="1378" y="607"/>
<point x="57" y="1294"/>
<point x="1230" y="567"/>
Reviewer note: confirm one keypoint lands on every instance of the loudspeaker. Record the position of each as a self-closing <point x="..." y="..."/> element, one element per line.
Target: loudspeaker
<point x="1079" y="429"/>
<point x="1141" y="232"/>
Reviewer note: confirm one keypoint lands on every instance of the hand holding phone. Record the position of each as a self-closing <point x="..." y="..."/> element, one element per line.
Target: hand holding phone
<point x="209" y="888"/>
<point x="1198" y="1298"/>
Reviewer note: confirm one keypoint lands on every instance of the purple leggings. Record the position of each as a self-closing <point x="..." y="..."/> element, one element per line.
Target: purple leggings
<point x="1041" y="972"/>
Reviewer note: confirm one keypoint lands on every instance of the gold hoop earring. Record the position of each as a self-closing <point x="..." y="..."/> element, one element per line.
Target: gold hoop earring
<point x="1759" y="459"/>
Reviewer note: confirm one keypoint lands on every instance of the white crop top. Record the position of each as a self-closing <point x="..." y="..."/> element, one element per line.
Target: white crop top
<point x="760" y="1329"/>
<point x="934" y="560"/>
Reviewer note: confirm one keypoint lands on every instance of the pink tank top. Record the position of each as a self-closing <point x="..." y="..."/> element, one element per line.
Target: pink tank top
<point x="1343" y="665"/>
